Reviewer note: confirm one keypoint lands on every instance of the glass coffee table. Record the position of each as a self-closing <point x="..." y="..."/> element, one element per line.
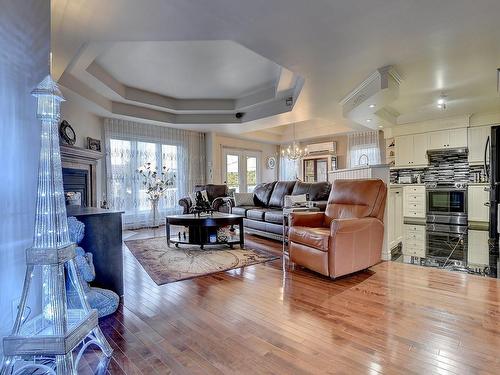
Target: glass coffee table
<point x="202" y="229"/>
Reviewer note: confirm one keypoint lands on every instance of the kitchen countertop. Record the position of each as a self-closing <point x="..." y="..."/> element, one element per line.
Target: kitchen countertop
<point x="396" y="185"/>
<point x="402" y="185"/>
<point x="360" y="167"/>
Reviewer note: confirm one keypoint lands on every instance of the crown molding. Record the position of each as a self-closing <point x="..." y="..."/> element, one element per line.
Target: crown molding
<point x="378" y="74"/>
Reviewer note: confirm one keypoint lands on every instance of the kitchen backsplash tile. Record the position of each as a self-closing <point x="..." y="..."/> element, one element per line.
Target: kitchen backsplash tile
<point x="444" y="166"/>
<point x="476" y="174"/>
<point x="396" y="173"/>
<point x="447" y="166"/>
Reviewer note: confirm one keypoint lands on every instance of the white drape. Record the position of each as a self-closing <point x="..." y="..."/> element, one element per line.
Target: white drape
<point x="363" y="148"/>
<point x="129" y="145"/>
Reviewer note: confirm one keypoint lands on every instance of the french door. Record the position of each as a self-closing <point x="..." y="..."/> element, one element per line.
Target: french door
<point x="241" y="169"/>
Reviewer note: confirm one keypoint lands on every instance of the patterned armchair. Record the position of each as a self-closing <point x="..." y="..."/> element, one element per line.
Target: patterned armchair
<point x="218" y="197"/>
<point x="103" y="300"/>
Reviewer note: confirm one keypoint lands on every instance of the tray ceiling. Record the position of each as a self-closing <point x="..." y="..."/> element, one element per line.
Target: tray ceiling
<point x="329" y="47"/>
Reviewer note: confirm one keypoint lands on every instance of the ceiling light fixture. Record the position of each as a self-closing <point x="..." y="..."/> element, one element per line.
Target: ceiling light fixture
<point x="294" y="151"/>
<point x="441" y="103"/>
<point x="368" y="120"/>
<point x="372" y="106"/>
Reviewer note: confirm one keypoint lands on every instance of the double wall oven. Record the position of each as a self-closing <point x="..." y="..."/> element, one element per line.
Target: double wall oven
<point x="446" y="223"/>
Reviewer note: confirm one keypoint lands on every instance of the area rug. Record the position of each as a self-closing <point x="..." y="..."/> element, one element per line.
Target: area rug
<point x="168" y="264"/>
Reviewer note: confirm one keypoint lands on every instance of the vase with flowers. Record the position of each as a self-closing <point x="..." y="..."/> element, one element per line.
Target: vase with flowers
<point x="156" y="184"/>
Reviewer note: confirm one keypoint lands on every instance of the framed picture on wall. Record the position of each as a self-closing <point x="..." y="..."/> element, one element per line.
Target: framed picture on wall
<point x="94" y="144"/>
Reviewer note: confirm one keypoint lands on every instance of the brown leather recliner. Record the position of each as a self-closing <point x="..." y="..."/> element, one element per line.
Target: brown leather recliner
<point x="348" y="236"/>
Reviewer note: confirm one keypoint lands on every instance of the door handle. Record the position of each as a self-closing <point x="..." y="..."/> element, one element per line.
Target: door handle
<point x="486" y="171"/>
<point x="487" y="204"/>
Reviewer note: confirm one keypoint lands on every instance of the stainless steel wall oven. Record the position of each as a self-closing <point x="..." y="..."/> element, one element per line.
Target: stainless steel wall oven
<point x="446" y="240"/>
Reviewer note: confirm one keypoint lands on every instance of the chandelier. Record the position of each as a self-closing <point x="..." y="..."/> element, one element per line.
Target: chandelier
<point x="294" y="151"/>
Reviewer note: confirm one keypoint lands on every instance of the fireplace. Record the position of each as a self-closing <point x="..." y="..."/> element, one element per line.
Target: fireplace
<point x="76" y="182"/>
<point x="79" y="174"/>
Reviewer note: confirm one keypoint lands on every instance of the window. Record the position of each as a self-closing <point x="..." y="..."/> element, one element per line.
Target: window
<point x="241" y="169"/>
<point x="129" y="145"/>
<point x="364" y="148"/>
<point x="127" y="191"/>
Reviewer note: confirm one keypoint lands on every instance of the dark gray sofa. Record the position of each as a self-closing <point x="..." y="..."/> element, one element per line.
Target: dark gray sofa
<point x="265" y="217"/>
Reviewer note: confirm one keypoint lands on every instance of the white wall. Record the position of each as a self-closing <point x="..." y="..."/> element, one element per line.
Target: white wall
<point x="219" y="141"/>
<point x="85" y="124"/>
<point x="25" y="41"/>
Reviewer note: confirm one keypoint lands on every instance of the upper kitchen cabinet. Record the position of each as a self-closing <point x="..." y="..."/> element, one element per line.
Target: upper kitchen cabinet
<point x="477" y="137"/>
<point x="420" y="146"/>
<point x="448" y="139"/>
<point x="411" y="150"/>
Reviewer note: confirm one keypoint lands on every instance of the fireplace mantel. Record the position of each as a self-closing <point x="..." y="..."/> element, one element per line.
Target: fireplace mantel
<point x="78" y="153"/>
<point x="83" y="159"/>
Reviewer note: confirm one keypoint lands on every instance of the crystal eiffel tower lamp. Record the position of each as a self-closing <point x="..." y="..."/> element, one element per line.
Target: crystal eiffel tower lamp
<point x="45" y="342"/>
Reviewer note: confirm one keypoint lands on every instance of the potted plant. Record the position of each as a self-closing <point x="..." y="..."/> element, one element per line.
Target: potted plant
<point x="156" y="184"/>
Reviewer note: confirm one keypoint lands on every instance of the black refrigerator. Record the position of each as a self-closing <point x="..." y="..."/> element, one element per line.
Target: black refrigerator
<point x="493" y="172"/>
<point x="492" y="149"/>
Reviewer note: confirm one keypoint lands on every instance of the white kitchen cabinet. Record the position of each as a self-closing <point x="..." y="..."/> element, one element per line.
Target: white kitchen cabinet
<point x="458" y="138"/>
<point x="476" y="140"/>
<point x="448" y="139"/>
<point x="395" y="217"/>
<point x="438" y="139"/>
<point x="411" y="150"/>
<point x="420" y="147"/>
<point x="414" y="202"/>
<point x="477" y="248"/>
<point x="477" y="196"/>
<point x="404" y="150"/>
<point x="414" y="240"/>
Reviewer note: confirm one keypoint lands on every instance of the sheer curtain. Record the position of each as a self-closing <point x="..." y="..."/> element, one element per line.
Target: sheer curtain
<point x="129" y="145"/>
<point x="363" y="148"/>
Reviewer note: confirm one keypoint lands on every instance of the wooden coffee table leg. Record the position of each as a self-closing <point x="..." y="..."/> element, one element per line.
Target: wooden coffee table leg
<point x="242" y="235"/>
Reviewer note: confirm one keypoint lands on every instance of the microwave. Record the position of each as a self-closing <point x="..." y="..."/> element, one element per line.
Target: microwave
<point x="405" y="180"/>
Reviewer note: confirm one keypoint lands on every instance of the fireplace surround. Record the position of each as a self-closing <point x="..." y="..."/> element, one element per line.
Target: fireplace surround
<point x="80" y="172"/>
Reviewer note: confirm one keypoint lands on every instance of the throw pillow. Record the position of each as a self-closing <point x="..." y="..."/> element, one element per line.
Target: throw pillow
<point x="291" y="200"/>
<point x="243" y="199"/>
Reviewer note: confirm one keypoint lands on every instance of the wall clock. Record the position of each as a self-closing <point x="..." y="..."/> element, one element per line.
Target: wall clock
<point x="271" y="162"/>
<point x="67" y="133"/>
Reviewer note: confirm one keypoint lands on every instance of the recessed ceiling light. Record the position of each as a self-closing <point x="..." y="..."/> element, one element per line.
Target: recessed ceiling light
<point x="368" y="120"/>
<point x="380" y="126"/>
<point x="372" y="106"/>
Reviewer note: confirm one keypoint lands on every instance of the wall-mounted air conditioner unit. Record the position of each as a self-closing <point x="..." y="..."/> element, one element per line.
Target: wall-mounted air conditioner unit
<point x="322" y="148"/>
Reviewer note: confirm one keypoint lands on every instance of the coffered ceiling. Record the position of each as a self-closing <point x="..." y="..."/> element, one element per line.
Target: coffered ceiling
<point x="195" y="64"/>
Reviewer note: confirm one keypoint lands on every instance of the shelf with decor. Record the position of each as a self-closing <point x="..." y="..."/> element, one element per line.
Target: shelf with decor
<point x="390" y="151"/>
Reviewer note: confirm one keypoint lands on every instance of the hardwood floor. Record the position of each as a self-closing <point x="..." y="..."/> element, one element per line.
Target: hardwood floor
<point x="270" y="319"/>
